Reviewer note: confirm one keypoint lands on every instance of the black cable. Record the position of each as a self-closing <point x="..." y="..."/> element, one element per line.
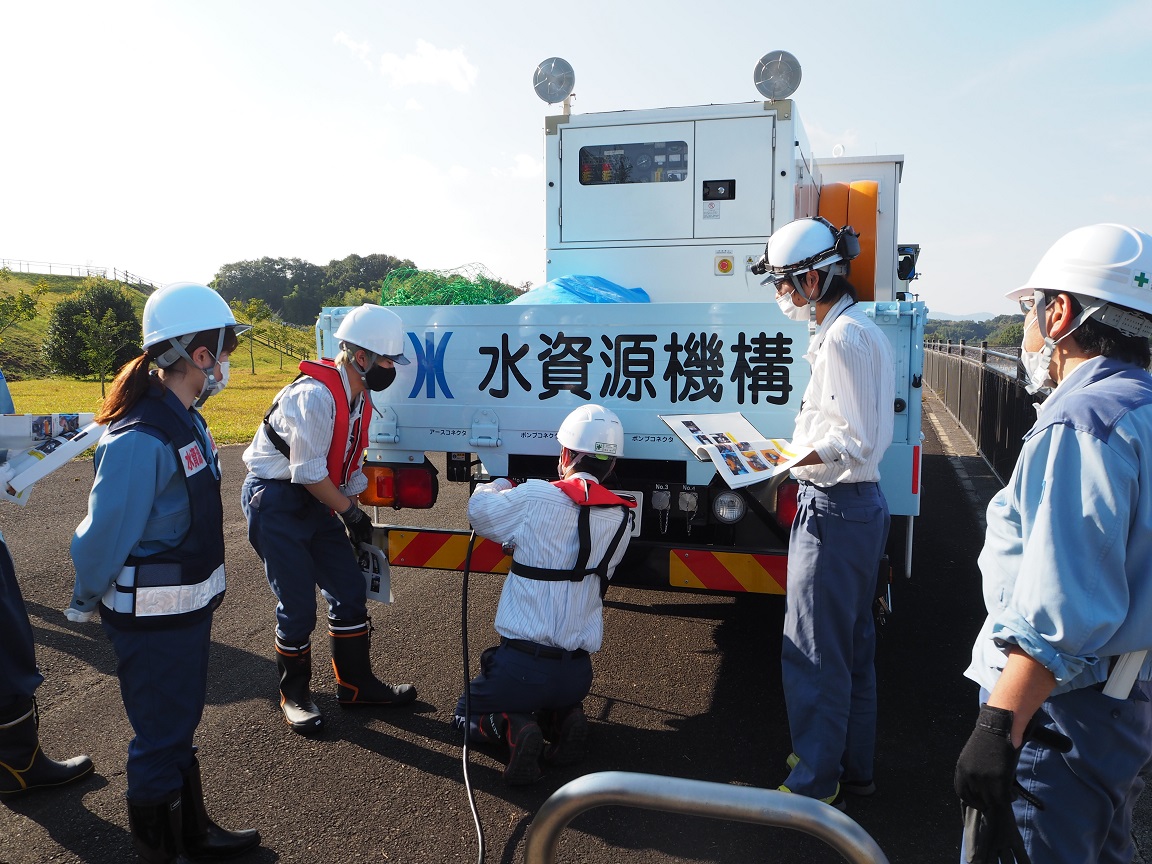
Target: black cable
<point x="468" y="696"/>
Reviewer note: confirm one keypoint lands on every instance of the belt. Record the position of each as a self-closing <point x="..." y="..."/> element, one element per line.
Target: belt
<point x="546" y="652"/>
<point x="862" y="484"/>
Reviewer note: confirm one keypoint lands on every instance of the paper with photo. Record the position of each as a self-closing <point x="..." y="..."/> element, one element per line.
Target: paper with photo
<point x="38" y="444"/>
<point x="741" y="454"/>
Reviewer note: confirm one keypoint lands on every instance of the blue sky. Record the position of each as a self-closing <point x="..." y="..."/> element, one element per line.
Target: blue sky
<point x="170" y="138"/>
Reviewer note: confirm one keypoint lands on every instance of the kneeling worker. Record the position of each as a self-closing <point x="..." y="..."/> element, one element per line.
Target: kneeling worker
<point x="569" y="536"/>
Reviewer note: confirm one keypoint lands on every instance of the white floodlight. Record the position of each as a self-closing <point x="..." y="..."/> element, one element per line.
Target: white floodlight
<point x="777" y="75"/>
<point x="554" y="80"/>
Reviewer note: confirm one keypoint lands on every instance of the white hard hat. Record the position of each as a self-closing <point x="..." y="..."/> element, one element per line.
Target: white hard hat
<point x="185" y="309"/>
<point x="376" y="329"/>
<point x="1107" y="262"/>
<point x="808" y="244"/>
<point x="592" y="429"/>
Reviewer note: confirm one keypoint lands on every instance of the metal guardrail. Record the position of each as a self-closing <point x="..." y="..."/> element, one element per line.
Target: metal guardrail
<point x="983" y="390"/>
<point x="695" y="798"/>
<point x="145" y="286"/>
<point x="52" y="268"/>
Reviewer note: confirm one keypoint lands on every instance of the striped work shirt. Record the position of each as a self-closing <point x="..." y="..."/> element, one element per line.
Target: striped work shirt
<point x="305" y="418"/>
<point x="847" y="412"/>
<point x="540" y="520"/>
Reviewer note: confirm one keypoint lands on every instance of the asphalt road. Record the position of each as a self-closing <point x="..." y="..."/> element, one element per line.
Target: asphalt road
<point x="686" y="685"/>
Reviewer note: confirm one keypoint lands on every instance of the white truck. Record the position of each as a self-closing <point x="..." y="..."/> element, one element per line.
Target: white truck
<point x="678" y="202"/>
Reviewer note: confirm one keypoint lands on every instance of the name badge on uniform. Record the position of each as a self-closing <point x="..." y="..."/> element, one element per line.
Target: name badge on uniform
<point x="192" y="458"/>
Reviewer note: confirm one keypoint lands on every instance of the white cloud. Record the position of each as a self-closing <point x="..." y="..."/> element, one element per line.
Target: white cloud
<point x="413" y="105"/>
<point x="359" y="49"/>
<point x="430" y="65"/>
<point x="522" y="167"/>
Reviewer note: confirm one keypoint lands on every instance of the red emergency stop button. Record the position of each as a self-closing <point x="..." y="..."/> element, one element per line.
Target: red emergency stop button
<point x="724" y="264"/>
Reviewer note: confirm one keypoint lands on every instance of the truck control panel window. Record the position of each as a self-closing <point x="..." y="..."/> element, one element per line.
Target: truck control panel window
<point x="654" y="162"/>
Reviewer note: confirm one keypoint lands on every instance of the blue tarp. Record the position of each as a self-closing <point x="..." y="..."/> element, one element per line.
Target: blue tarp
<point x="582" y="289"/>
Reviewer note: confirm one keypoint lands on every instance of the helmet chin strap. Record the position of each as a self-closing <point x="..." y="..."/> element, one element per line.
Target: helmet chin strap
<point x="371" y="356"/>
<point x="209" y="373"/>
<point x="800" y="288"/>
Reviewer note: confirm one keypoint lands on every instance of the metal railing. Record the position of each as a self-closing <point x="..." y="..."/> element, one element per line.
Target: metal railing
<point x="51" y="268"/>
<point x="132" y="280"/>
<point x="983" y="390"/>
<point x="695" y="798"/>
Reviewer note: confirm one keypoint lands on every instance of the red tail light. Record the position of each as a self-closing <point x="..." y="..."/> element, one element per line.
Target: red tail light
<point x="399" y="486"/>
<point x="415" y="487"/>
<point x="786" y="502"/>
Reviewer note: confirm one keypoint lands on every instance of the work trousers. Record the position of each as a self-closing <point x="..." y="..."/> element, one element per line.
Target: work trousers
<point x="517" y="680"/>
<point x="19" y="675"/>
<point x="829" y="647"/>
<point x="1088" y="793"/>
<point x="303" y="544"/>
<point x="163" y="680"/>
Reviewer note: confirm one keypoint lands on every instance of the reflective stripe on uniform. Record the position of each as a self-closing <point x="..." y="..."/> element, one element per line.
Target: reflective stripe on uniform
<point x="162" y="599"/>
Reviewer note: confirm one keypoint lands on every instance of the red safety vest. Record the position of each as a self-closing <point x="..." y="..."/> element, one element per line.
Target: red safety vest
<point x="342" y="462"/>
<point x="591" y="494"/>
<point x="587" y="495"/>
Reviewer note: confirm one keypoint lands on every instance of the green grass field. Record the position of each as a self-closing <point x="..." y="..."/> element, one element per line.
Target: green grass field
<point x="232" y="415"/>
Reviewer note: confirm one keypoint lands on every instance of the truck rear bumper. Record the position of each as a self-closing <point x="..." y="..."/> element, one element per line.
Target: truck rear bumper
<point x="647" y="564"/>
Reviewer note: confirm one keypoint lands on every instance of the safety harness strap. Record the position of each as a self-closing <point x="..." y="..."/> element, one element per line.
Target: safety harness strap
<point x="279" y="443"/>
<point x="580" y="571"/>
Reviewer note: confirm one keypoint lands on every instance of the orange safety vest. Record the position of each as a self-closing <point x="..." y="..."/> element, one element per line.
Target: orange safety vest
<point x="342" y="462"/>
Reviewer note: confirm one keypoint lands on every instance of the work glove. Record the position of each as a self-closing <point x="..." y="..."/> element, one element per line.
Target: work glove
<point x="78" y="615"/>
<point x="358" y="524"/>
<point x="986" y="782"/>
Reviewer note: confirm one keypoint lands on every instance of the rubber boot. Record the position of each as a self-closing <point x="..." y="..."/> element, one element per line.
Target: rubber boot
<point x="203" y="838"/>
<point x="521" y="733"/>
<point x="23" y="765"/>
<point x="295" y="666"/>
<point x="156" y="830"/>
<point x="355" y="683"/>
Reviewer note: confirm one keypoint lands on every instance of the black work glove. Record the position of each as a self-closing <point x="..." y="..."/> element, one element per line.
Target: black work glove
<point x="359" y="526"/>
<point x="986" y="782"/>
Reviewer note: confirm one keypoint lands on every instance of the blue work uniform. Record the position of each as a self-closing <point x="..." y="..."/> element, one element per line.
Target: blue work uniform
<point x="19" y="674"/>
<point x="1067" y="573"/>
<point x="302" y="542"/>
<point x="150" y="556"/>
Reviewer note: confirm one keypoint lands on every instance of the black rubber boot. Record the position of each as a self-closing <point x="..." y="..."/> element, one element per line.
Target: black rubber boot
<point x="203" y="838"/>
<point x="521" y="733"/>
<point x="156" y="831"/>
<point x="295" y="665"/>
<point x="355" y="683"/>
<point x="23" y="765"/>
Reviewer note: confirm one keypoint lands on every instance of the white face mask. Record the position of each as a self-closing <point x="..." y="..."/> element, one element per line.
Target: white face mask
<point x="212" y="384"/>
<point x="1037" y="363"/>
<point x="790" y="309"/>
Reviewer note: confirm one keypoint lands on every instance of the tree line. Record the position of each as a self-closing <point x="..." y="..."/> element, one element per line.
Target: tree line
<point x="295" y="289"/>
<point x="96" y="329"/>
<point x="1003" y="331"/>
